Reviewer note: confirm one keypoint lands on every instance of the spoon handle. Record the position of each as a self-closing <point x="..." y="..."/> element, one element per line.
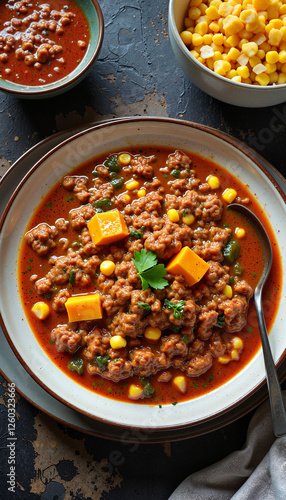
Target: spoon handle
<point x="276" y="397"/>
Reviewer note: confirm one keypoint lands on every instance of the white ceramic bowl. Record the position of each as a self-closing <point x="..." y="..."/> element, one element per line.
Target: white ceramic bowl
<point x="100" y="139"/>
<point x="239" y="94"/>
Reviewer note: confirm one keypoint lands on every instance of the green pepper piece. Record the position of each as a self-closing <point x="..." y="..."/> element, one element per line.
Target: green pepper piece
<point x="76" y="365"/>
<point x="102" y="361"/>
<point x="112" y="164"/>
<point x="148" y="388"/>
<point x="117" y="183"/>
<point x="238" y="269"/>
<point x="176" y="173"/>
<point x="231" y="251"/>
<point x="103" y="203"/>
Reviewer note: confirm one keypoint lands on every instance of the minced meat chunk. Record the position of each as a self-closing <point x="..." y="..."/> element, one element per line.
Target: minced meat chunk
<point x="169" y="240"/>
<point x="235" y="313"/>
<point x="41" y="238"/>
<point x="66" y="339"/>
<point x="80" y="216"/>
<point x="141" y="166"/>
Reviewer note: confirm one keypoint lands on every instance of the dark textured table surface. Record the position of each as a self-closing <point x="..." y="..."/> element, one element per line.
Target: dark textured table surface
<point x="135" y="75"/>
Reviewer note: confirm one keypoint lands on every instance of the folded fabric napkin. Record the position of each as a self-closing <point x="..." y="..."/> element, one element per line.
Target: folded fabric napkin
<point x="257" y="472"/>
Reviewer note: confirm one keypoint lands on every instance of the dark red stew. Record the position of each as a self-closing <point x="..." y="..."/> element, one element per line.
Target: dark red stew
<point x="40" y="42"/>
<point x="137" y="280"/>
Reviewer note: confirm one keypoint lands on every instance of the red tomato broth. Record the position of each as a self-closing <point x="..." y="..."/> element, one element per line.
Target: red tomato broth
<point x="28" y="29"/>
<point x="51" y="208"/>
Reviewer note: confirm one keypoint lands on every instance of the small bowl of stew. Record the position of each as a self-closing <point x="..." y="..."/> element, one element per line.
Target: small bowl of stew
<point x="133" y="280"/>
<point x="47" y="48"/>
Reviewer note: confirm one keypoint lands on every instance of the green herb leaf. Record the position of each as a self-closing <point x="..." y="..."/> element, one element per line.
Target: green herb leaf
<point x="185" y="339"/>
<point x="148" y="388"/>
<point x="176" y="173"/>
<point x="102" y="361"/>
<point x="104" y="203"/>
<point x="220" y="321"/>
<point x="174" y="403"/>
<point x="69" y="198"/>
<point x="177" y="308"/>
<point x="48" y="295"/>
<point x="76" y="365"/>
<point x="136" y="234"/>
<point x="151" y="273"/>
<point x="72" y="278"/>
<point x="112" y="164"/>
<point x="145" y="306"/>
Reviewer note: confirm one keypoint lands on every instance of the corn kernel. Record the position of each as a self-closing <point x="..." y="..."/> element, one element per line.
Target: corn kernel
<point x="194" y="13"/>
<point x="233" y="54"/>
<point x="263" y="79"/>
<point x="275" y="36"/>
<point x="281" y="79"/>
<point x="222" y="67"/>
<point x="239" y="232"/>
<point x="231" y="74"/>
<point x="227" y="291"/>
<point x="181" y="383"/>
<point x="253" y="61"/>
<point x="260" y="4"/>
<point x="201" y="28"/>
<point x="125" y="198"/>
<point x="131" y="185"/>
<point x="236" y="79"/>
<point x="188" y="219"/>
<point x="195" y="3"/>
<point x="270" y="68"/>
<point x="212" y="12"/>
<point x="250" y="48"/>
<point x="107" y="267"/>
<point x="282" y="56"/>
<point x="124" y="158"/>
<point x="213" y="181"/>
<point x="273" y="77"/>
<point x="173" y="215"/>
<point x="152" y="333"/>
<point x="197" y="40"/>
<point x="186" y="37"/>
<point x="141" y="192"/>
<point x="117" y="342"/>
<point x="213" y="26"/>
<point x="203" y="7"/>
<point x="249" y="16"/>
<point x="41" y="310"/>
<point x="243" y="71"/>
<point x="237" y="343"/>
<point x="272" y="57"/>
<point x="224" y="359"/>
<point x="233" y="40"/>
<point x="208" y="38"/>
<point x="234" y="355"/>
<point x="225" y="9"/>
<point x="229" y="195"/>
<point x="135" y="392"/>
<point x="218" y="39"/>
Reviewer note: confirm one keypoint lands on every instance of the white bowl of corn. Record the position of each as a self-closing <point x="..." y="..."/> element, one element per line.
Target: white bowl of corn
<point x="234" y="50"/>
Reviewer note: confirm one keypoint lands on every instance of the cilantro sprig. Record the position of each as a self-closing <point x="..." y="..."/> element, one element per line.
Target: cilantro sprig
<point x="145" y="306"/>
<point x="151" y="273"/>
<point x="176" y="306"/>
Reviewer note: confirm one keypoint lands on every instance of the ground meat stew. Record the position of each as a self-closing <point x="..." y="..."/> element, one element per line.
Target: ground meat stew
<point x="41" y="43"/>
<point x="137" y="279"/>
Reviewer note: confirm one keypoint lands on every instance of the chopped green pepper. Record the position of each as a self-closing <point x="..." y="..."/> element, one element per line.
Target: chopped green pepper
<point x="112" y="164"/>
<point x="103" y="203"/>
<point x="238" y="269"/>
<point x="220" y="321"/>
<point x="72" y="278"/>
<point x="148" y="388"/>
<point x="136" y="234"/>
<point x="102" y="361"/>
<point x="117" y="183"/>
<point x="231" y="251"/>
<point x="176" y="173"/>
<point x="76" y="365"/>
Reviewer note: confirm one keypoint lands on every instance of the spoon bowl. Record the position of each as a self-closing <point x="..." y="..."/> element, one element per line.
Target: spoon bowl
<point x="276" y="398"/>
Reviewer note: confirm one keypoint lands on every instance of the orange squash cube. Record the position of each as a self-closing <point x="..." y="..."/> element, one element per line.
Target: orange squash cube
<point x="189" y="264"/>
<point x="84" y="307"/>
<point x="107" y="227"/>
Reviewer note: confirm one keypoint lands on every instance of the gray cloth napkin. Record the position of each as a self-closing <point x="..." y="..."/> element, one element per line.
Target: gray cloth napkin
<point x="257" y="472"/>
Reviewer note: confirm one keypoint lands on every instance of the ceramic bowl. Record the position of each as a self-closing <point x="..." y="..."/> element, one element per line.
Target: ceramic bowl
<point x="101" y="139"/>
<point x="94" y="16"/>
<point x="238" y="94"/>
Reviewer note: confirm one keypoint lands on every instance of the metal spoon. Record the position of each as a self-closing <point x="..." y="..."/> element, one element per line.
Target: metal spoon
<point x="276" y="397"/>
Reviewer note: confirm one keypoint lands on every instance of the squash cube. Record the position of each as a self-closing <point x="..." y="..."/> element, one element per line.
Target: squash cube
<point x="84" y="307"/>
<point x="189" y="264"/>
<point x="107" y="227"/>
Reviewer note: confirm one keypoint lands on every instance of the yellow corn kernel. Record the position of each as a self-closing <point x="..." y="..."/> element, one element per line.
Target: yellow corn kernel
<point x="194" y="13"/>
<point x="233" y="54"/>
<point x="135" y="392"/>
<point x="213" y="26"/>
<point x="188" y="219"/>
<point x="227" y="291"/>
<point x="281" y="79"/>
<point x="218" y="39"/>
<point x="234" y="355"/>
<point x="173" y="215"/>
<point x="236" y="10"/>
<point x="41" y="310"/>
<point x="233" y="40"/>
<point x="201" y="59"/>
<point x="107" y="267"/>
<point x="195" y="3"/>
<point x="124" y="158"/>
<point x="125" y="198"/>
<point x="275" y="23"/>
<point x="260" y="54"/>
<point x="282" y="56"/>
<point x="243" y="71"/>
<point x="194" y="53"/>
<point x="239" y="232"/>
<point x="231" y="74"/>
<point x="217" y="56"/>
<point x="250" y="48"/>
<point x="282" y="9"/>
<point x="232" y="25"/>
<point x="275" y="36"/>
<point x="152" y="333"/>
<point x="141" y="192"/>
<point x="270" y="68"/>
<point x="272" y="57"/>
<point x="210" y="63"/>
<point x="265" y="46"/>
<point x="225" y="9"/>
<point x="201" y="28"/>
<point x="262" y="79"/>
<point x="208" y="38"/>
<point x="203" y="7"/>
<point x="249" y="16"/>
<point x="197" y="40"/>
<point x="237" y="343"/>
<point x="213" y="181"/>
<point x="212" y="12"/>
<point x="224" y="359"/>
<point x="222" y="67"/>
<point x="273" y="12"/>
<point x="217" y="48"/>
<point x="186" y="37"/>
<point x="260" y="4"/>
<point x="189" y="22"/>
<point x="181" y="383"/>
<point x="117" y="342"/>
<point x="236" y="79"/>
<point x="273" y="77"/>
<point x="131" y="185"/>
<point x="229" y="195"/>
<point x="253" y="61"/>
